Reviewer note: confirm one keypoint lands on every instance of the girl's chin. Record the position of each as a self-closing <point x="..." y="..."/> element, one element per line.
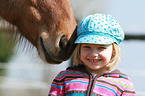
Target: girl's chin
<point x="93" y="68"/>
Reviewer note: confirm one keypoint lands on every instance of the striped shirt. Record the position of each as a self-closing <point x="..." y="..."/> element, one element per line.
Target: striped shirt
<point x="76" y="81"/>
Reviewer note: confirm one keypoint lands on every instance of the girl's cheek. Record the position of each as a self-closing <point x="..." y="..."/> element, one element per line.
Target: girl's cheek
<point x="83" y="53"/>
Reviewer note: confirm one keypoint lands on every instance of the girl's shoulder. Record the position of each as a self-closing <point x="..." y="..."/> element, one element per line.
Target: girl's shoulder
<point x="116" y="74"/>
<point x="118" y="77"/>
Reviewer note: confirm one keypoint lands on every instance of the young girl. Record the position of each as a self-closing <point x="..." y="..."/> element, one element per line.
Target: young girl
<point x="96" y="55"/>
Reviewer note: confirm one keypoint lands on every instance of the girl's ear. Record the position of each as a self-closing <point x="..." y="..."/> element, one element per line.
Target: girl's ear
<point x="114" y="53"/>
<point x="114" y="50"/>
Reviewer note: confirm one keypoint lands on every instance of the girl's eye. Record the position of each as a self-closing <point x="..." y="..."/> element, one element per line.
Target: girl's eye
<point x="86" y="47"/>
<point x="102" y="48"/>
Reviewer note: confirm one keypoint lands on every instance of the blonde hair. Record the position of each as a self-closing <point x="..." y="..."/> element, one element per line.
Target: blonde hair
<point x="112" y="63"/>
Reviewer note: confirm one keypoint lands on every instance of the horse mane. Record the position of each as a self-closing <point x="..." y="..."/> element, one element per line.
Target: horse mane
<point x="13" y="34"/>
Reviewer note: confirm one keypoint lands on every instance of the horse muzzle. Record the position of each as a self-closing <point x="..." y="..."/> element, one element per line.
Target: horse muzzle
<point x="66" y="48"/>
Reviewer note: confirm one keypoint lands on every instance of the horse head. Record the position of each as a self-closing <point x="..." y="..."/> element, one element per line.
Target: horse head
<point x="49" y="25"/>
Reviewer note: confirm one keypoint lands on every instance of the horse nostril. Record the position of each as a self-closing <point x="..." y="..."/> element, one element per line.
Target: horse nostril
<point x="63" y="42"/>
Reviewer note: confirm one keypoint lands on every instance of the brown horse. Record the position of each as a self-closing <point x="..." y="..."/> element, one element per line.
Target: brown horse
<point x="49" y="25"/>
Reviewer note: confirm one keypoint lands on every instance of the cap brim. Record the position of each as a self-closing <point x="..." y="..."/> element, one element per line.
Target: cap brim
<point x="95" y="39"/>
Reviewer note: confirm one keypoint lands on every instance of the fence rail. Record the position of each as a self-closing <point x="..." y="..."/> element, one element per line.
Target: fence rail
<point x="27" y="85"/>
<point x="27" y="67"/>
<point x="135" y="37"/>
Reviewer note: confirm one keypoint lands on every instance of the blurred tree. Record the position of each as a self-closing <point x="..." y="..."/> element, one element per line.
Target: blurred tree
<point x="6" y="46"/>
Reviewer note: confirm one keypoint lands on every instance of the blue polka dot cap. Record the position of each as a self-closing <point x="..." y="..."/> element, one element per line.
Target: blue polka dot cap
<point x="99" y="29"/>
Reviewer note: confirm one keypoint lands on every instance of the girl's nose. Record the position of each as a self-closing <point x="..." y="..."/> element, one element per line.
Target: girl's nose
<point x="94" y="53"/>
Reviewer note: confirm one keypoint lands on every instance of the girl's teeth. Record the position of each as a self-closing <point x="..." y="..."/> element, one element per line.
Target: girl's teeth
<point x="93" y="60"/>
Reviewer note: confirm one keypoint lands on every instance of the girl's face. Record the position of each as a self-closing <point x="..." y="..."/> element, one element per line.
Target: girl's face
<point x="95" y="56"/>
